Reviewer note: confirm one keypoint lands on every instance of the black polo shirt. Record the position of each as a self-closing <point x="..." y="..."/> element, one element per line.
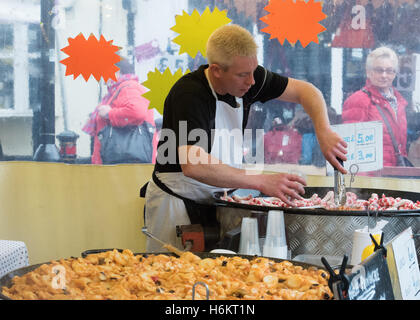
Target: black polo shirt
<point x="192" y="100"/>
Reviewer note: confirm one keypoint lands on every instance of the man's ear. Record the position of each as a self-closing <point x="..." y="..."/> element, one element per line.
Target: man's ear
<point x="216" y="70"/>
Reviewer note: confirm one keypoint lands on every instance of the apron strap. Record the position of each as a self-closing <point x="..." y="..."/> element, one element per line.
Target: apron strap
<point x="199" y="213"/>
<point x="143" y="190"/>
<point x="165" y="188"/>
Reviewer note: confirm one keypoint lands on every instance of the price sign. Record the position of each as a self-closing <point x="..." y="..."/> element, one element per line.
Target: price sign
<point x="371" y="280"/>
<point x="364" y="145"/>
<point x="404" y="266"/>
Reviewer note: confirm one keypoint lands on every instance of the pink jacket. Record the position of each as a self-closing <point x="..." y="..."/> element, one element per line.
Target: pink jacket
<point x="360" y="108"/>
<point x="129" y="108"/>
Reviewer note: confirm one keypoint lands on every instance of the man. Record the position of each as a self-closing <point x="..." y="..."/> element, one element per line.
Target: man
<point x="215" y="99"/>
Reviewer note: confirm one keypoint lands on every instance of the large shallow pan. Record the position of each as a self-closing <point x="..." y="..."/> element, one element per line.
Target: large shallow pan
<point x="6" y="281"/>
<point x="322" y="191"/>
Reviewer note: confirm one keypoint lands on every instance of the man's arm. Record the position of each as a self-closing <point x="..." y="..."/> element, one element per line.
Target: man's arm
<point x="201" y="166"/>
<point x="312" y="101"/>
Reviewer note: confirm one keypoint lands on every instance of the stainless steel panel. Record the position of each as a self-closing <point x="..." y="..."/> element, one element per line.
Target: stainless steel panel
<point x="321" y="235"/>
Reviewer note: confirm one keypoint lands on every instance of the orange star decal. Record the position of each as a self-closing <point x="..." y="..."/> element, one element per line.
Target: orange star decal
<point x="294" y="20"/>
<point x="91" y="57"/>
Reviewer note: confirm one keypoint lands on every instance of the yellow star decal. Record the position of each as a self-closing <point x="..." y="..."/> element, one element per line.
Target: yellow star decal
<point x="195" y="30"/>
<point x="160" y="84"/>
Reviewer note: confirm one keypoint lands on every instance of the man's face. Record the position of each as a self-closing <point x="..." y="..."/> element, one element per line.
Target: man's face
<point x="382" y="73"/>
<point x="239" y="77"/>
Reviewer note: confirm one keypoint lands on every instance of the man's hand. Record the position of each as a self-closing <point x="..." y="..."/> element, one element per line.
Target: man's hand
<point x="333" y="147"/>
<point x="103" y="111"/>
<point x="312" y="101"/>
<point x="211" y="171"/>
<point x="284" y="186"/>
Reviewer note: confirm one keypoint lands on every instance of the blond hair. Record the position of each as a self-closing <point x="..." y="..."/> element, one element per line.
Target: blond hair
<point x="381" y="52"/>
<point x="229" y="41"/>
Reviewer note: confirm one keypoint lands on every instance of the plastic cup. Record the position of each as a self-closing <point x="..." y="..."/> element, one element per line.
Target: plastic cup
<point x="276" y="233"/>
<point x="279" y="252"/>
<point x="249" y="243"/>
<point x="275" y="241"/>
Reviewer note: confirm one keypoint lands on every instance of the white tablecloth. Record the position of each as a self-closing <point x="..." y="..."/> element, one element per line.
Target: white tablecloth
<point x="13" y="255"/>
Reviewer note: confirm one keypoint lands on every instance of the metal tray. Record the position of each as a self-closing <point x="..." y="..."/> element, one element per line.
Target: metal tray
<point x="6" y="280"/>
<point x="322" y="191"/>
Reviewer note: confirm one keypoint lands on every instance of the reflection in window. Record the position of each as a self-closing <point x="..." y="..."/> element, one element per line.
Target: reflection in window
<point x="19" y="68"/>
<point x="336" y="65"/>
<point x="6" y="83"/>
<point x="6" y="66"/>
<point x="34" y="38"/>
<point x="34" y="84"/>
<point x="34" y="64"/>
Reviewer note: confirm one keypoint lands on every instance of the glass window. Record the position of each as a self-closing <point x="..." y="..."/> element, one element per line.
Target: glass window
<point x="143" y="30"/>
<point x="19" y="64"/>
<point x="6" y="66"/>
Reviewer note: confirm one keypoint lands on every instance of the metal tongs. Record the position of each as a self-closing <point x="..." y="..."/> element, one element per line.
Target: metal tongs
<point x="339" y="187"/>
<point x="164" y="244"/>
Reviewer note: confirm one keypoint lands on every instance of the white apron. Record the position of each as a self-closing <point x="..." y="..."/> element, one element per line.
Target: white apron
<point x="163" y="211"/>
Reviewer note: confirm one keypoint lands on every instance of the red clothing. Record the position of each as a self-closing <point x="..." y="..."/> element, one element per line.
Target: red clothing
<point x="360" y="108"/>
<point x="348" y="37"/>
<point x="282" y="145"/>
<point x="129" y="108"/>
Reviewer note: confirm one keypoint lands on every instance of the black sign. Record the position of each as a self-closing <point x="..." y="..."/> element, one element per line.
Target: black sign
<point x="371" y="280"/>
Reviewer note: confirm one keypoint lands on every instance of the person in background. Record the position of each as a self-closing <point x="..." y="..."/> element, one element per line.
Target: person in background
<point x="311" y="153"/>
<point x="282" y="144"/>
<point x="362" y="106"/>
<point x="128" y="107"/>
